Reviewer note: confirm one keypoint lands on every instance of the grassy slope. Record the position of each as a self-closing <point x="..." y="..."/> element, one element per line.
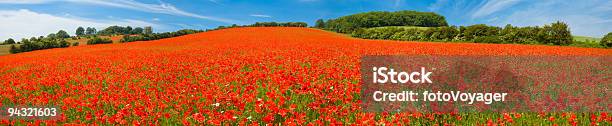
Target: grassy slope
<point x="584" y="38"/>
<point x="4" y="49"/>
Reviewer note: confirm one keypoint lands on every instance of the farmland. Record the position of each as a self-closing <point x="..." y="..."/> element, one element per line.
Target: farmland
<point x="83" y="41"/>
<point x="251" y="75"/>
<point x="586" y="38"/>
<point x="4" y="49"/>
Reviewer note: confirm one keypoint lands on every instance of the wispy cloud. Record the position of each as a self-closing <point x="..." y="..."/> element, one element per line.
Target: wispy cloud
<point x="437" y="5"/>
<point x="587" y="18"/>
<point x="23" y="1"/>
<point x="260" y="15"/>
<point x="397" y="3"/>
<point x="493" y="6"/>
<point x="308" y="0"/>
<point x="24" y="23"/>
<point x="162" y="8"/>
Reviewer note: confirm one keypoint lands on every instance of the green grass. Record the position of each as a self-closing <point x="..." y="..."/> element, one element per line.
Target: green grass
<point x="4" y="49"/>
<point x="584" y="38"/>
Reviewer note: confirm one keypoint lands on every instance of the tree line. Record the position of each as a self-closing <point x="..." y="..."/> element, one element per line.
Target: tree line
<point x="119" y="30"/>
<point x="607" y="40"/>
<point x="53" y="40"/>
<point x="429" y="26"/>
<point x="156" y="36"/>
<point x="557" y="33"/>
<point x="350" y="23"/>
<point x="265" y="24"/>
<point x="58" y="40"/>
<point x="148" y="36"/>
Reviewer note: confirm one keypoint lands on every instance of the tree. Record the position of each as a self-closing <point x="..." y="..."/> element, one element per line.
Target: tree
<point x="347" y="24"/>
<point x="127" y="30"/>
<point x="479" y="30"/>
<point x="9" y="41"/>
<point x="62" y="34"/>
<point x="320" y="23"/>
<point x="80" y="31"/>
<point x="137" y="30"/>
<point x="90" y="31"/>
<point x="606" y="41"/>
<point x="559" y="34"/>
<point x="148" y="30"/>
<point x="97" y="40"/>
<point x="14" y="49"/>
<point x="52" y="35"/>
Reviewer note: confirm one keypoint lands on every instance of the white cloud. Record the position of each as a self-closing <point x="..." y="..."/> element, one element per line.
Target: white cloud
<point x="437" y="5"/>
<point x="162" y="8"/>
<point x="493" y="6"/>
<point x="586" y="18"/>
<point x="397" y="3"/>
<point x="260" y="15"/>
<point x="24" y="23"/>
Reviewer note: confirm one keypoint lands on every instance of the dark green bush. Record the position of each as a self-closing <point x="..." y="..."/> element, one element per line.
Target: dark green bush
<point x="350" y="23"/>
<point x="39" y="44"/>
<point x="606" y="41"/>
<point x="487" y="39"/>
<point x="97" y="40"/>
<point x="155" y="36"/>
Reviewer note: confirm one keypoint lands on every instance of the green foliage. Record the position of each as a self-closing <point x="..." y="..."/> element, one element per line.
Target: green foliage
<point x="606" y="41"/>
<point x="90" y="31"/>
<point x="487" y="39"/>
<point x="555" y="34"/>
<point x="281" y="24"/>
<point x="319" y="23"/>
<point x="265" y="24"/>
<point x="348" y="24"/>
<point x="138" y="30"/>
<point x="80" y="31"/>
<point x="155" y="36"/>
<point x="75" y="44"/>
<point x="62" y="34"/>
<point x="14" y="49"/>
<point x="34" y="43"/>
<point x="119" y="30"/>
<point x="97" y="40"/>
<point x="52" y="35"/>
<point x="9" y="41"/>
<point x="473" y="31"/>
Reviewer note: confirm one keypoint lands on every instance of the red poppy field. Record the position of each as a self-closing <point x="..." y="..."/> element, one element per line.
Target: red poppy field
<point x="257" y="75"/>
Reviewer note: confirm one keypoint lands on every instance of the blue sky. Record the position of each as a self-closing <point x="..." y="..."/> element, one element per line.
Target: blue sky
<point x="26" y="18"/>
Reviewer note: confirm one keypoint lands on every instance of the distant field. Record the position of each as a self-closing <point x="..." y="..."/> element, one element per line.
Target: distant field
<point x="83" y="41"/>
<point x="584" y="38"/>
<point x="4" y="49"/>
